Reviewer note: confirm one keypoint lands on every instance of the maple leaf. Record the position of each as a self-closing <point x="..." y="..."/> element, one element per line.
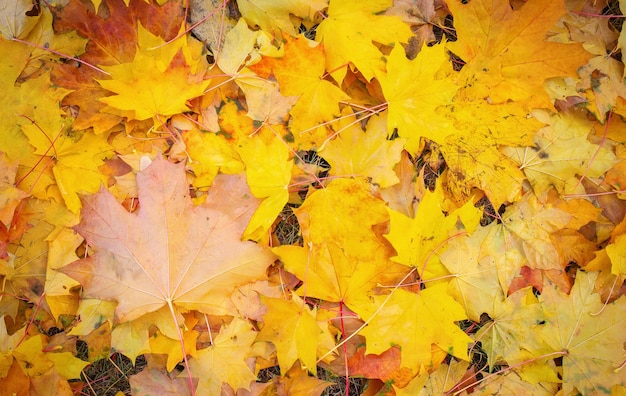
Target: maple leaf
<point x="151" y="381"/>
<point x="297" y="381"/>
<point x="415" y="322"/>
<point x="210" y="153"/>
<point x="244" y="47"/>
<point x="476" y="161"/>
<point x="17" y="18"/>
<point x="475" y="278"/>
<point x="291" y="326"/>
<point x="601" y="84"/>
<point x="273" y="16"/>
<point x="589" y="335"/>
<point x="348" y="33"/>
<point x="366" y="153"/>
<point x="417" y="240"/>
<point x="77" y="157"/>
<point x="562" y="153"/>
<point x="264" y="100"/>
<point x="144" y="86"/>
<point x="169" y="253"/>
<point x="268" y="172"/>
<point x="112" y="34"/>
<point x="616" y="252"/>
<point x="34" y="101"/>
<point x="503" y="338"/>
<point x="414" y="89"/>
<point x="161" y="344"/>
<point x="507" y="56"/>
<point x="111" y="31"/>
<point x="300" y="73"/>
<point x="385" y="366"/>
<point x="50" y="45"/>
<point x="444" y="379"/>
<point x="523" y="238"/>
<point x="59" y="286"/>
<point x="344" y="258"/>
<point x="474" y="154"/>
<point x="223" y="362"/>
<point x="13" y="58"/>
<point x="10" y="196"/>
<point x="403" y="197"/>
<point x="23" y="273"/>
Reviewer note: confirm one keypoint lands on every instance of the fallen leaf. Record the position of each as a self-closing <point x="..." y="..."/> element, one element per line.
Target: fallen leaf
<point x="127" y="267"/>
<point x="274" y="16"/>
<point x="385" y="366"/>
<point x="507" y="56"/>
<point x="17" y="19"/>
<point x="144" y="86"/>
<point x="290" y="325"/>
<point x="223" y="362"/>
<point x="562" y="153"/>
<point x="414" y="89"/>
<point x="348" y="33"/>
<point x="10" y="195"/>
<point x="415" y="321"/>
<point x="573" y="325"/>
<point x="151" y="381"/>
<point x="368" y="153"/>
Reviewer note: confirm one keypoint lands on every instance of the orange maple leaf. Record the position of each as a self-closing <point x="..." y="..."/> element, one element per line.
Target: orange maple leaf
<point x="507" y="56"/>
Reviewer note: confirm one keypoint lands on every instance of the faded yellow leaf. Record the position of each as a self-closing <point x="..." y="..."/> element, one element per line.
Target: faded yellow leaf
<point x="358" y="153"/>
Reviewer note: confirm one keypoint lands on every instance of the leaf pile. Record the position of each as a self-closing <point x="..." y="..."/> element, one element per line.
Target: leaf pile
<point x="451" y="173"/>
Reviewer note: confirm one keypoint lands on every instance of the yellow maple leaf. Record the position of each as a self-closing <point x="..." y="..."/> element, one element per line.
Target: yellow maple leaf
<point x="210" y="153"/>
<point x="473" y="154"/>
<point x="562" y="153"/>
<point x="161" y="344"/>
<point x="348" y="33"/>
<point x="475" y="278"/>
<point x="268" y="173"/>
<point x="30" y="116"/>
<point x="335" y="274"/>
<point x="224" y="361"/>
<point x="23" y="272"/>
<point x="69" y="43"/>
<point x="77" y="156"/>
<point x="507" y="56"/>
<point x="475" y="161"/>
<point x="158" y="82"/>
<point x="589" y="335"/>
<point x="291" y="326"/>
<point x="523" y="238"/>
<point x="617" y="253"/>
<point x="503" y="338"/>
<point x="300" y="73"/>
<point x="35" y="361"/>
<point x="59" y="295"/>
<point x="368" y="153"/>
<point x="601" y="85"/>
<point x="342" y="258"/>
<point x="297" y="382"/>
<point x="415" y="322"/>
<point x="272" y="15"/>
<point x="414" y="89"/>
<point x="418" y="240"/>
<point x="336" y="213"/>
<point x="244" y="47"/>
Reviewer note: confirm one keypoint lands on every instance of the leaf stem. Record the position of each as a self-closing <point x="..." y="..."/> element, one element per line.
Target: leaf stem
<point x="182" y="345"/>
